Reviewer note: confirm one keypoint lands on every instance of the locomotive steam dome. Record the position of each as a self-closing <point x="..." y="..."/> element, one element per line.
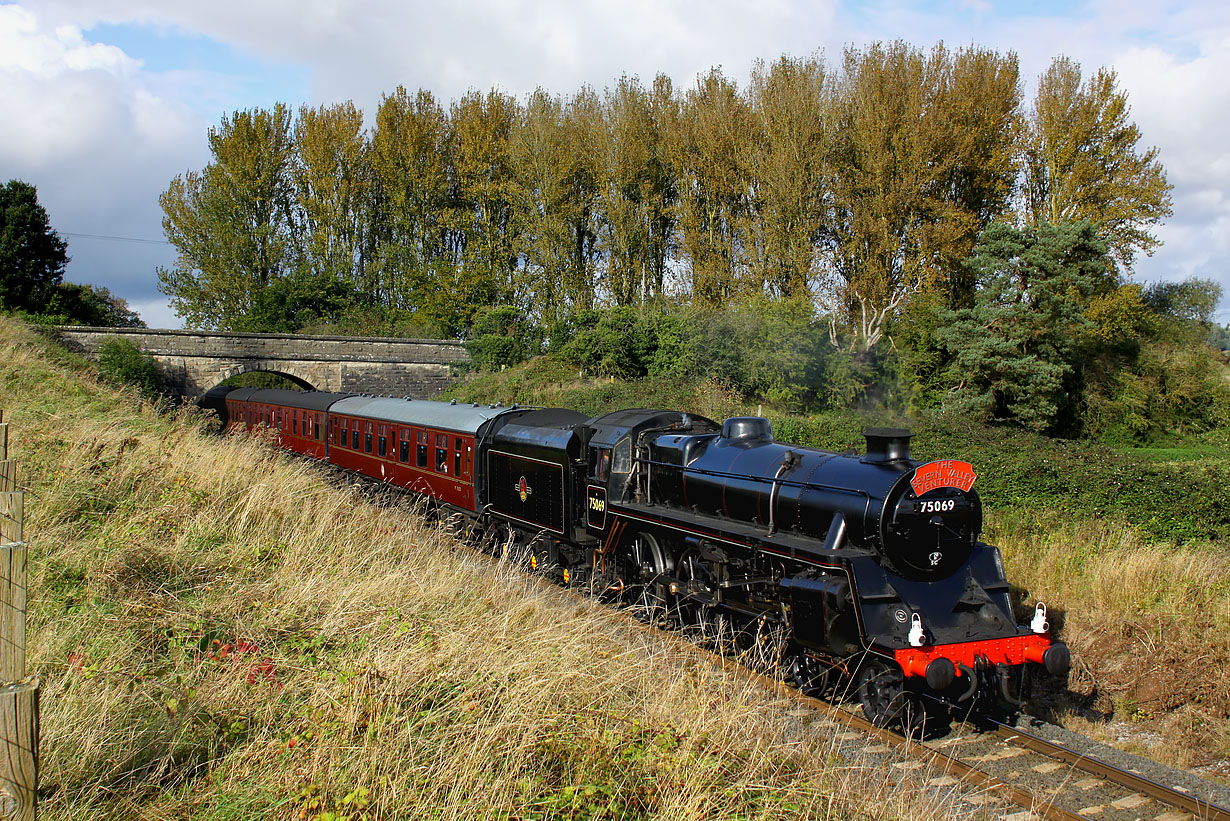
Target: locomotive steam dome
<point x="751" y="430"/>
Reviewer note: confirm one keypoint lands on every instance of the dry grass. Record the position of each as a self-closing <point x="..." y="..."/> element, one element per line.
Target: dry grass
<point x="1149" y="626"/>
<point x="223" y="634"/>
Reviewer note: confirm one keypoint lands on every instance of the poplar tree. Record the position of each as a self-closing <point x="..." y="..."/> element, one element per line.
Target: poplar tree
<point x="482" y="209"/>
<point x="540" y="158"/>
<point x="231" y="224"/>
<point x="638" y="194"/>
<point x="558" y="178"/>
<point x="922" y="161"/>
<point x="792" y="187"/>
<point x="332" y="193"/>
<point x="712" y="154"/>
<point x="414" y="245"/>
<point x="1083" y="160"/>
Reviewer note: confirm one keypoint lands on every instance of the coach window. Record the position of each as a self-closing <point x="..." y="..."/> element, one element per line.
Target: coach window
<point x="403" y="452"/>
<point x="354" y="435"/>
<point x="294" y="422"/>
<point x="383" y="441"/>
<point x="441" y="453"/>
<point x="623" y="456"/>
<point x="457" y="457"/>
<point x="468" y="472"/>
<point x="367" y="439"/>
<point x="422" y="453"/>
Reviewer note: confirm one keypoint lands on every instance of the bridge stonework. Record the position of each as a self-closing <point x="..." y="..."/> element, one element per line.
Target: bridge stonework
<point x="192" y="362"/>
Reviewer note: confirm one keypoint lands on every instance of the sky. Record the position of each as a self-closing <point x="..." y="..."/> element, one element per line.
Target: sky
<point x="105" y="101"/>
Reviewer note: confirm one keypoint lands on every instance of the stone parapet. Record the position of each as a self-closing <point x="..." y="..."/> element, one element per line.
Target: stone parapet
<point x="192" y="362"/>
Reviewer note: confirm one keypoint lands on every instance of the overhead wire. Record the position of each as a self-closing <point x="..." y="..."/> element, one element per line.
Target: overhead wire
<point x="116" y="239"/>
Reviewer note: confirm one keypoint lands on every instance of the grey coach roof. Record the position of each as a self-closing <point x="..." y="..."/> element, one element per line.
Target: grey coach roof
<point x="308" y="400"/>
<point x="423" y="412"/>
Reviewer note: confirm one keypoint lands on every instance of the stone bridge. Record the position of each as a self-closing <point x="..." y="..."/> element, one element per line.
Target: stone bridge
<point x="192" y="362"/>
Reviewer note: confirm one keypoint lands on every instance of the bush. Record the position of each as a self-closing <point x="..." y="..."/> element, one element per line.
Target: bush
<point x="765" y="350"/>
<point x="501" y="336"/>
<point x="122" y="363"/>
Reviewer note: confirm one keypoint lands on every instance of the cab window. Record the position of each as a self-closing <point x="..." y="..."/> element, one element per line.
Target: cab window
<point x="601" y="460"/>
<point x="622" y="463"/>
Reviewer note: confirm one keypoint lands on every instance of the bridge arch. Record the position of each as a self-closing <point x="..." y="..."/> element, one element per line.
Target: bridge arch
<point x="260" y="367"/>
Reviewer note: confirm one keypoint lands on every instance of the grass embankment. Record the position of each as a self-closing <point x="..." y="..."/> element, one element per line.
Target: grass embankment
<point x="1127" y="547"/>
<point x="223" y="634"/>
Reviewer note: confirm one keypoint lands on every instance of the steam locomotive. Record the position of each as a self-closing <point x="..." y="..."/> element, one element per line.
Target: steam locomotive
<point x="860" y="571"/>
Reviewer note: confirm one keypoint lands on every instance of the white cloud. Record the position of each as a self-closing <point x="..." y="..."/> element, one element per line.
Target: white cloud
<point x="156" y="313"/>
<point x="98" y="139"/>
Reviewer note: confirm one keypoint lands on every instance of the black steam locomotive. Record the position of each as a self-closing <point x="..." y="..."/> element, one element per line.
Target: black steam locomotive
<point x="860" y="571"/>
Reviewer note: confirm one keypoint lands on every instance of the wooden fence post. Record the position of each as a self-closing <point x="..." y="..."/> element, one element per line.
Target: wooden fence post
<point x="18" y="694"/>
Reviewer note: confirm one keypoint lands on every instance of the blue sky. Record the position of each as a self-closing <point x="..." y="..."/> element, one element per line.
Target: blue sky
<point x="109" y="99"/>
<point x="235" y="75"/>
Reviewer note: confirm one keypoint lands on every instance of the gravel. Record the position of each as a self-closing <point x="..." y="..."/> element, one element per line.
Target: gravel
<point x="1209" y="791"/>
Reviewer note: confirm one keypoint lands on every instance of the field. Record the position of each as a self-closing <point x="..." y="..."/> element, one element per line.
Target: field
<point x="223" y="633"/>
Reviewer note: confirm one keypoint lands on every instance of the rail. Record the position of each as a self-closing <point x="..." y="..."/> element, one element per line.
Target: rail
<point x="1125" y="778"/>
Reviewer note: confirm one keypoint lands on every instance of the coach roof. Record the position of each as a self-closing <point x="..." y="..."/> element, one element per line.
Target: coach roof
<point x="307" y="400"/>
<point x="463" y="418"/>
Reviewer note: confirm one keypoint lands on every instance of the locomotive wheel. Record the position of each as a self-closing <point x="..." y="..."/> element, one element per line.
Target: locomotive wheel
<point x="812" y="676"/>
<point x="881" y="689"/>
<point x="648" y="594"/>
<point x="696" y="618"/>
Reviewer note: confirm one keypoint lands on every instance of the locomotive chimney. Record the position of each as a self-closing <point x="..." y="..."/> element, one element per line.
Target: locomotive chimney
<point x="887" y="445"/>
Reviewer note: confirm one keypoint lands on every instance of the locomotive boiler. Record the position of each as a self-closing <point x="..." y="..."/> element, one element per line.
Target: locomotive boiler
<point x="859" y="573"/>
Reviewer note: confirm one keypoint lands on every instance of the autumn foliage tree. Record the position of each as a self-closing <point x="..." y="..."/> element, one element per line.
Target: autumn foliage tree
<point x="860" y="186"/>
<point x="231" y="223"/>
<point x="1083" y="161"/>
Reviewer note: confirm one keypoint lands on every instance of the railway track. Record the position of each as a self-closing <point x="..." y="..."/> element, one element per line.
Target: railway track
<point x="1069" y="784"/>
<point x="1011" y="767"/>
<point x="1011" y="770"/>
